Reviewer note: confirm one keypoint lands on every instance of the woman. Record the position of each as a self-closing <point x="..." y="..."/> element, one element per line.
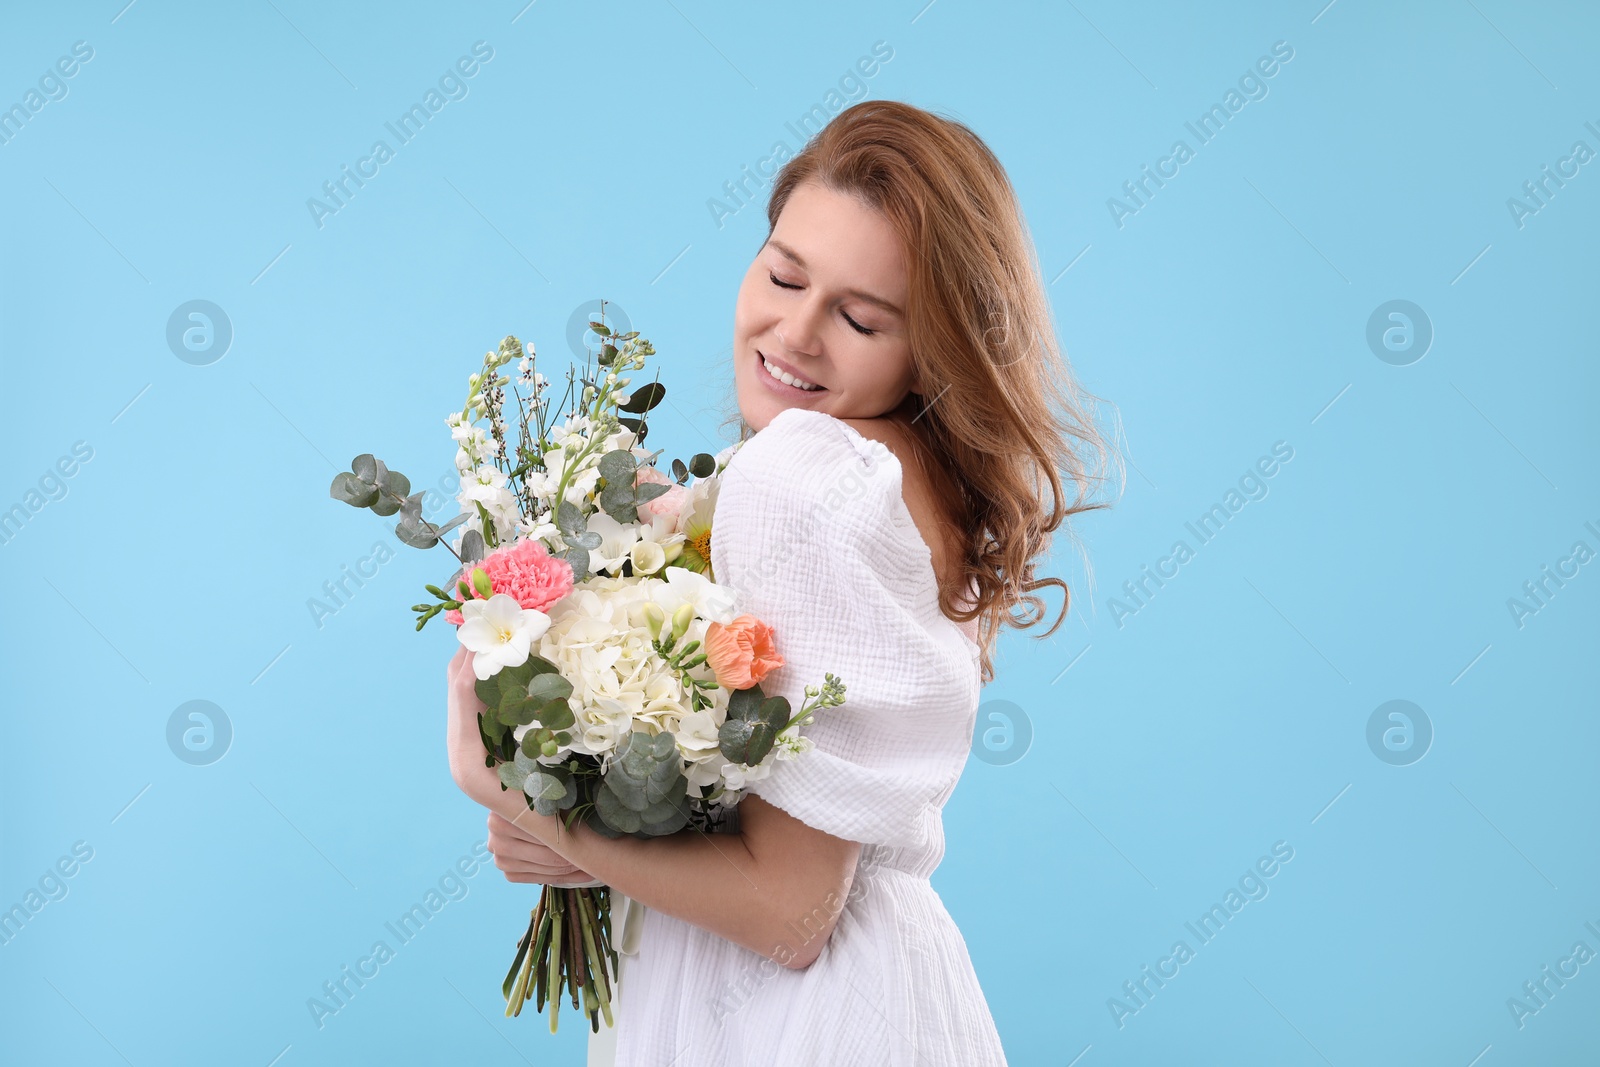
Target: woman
<point x="895" y="363"/>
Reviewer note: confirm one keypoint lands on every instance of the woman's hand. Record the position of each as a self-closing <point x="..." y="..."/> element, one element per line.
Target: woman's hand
<point x="467" y="758"/>
<point x="522" y="857"/>
<point x="518" y="849"/>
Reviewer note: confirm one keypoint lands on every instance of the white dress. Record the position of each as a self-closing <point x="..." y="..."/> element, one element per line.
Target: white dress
<point x="811" y="532"/>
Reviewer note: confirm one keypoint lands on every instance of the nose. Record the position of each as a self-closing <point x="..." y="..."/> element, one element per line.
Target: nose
<point x="798" y="333"/>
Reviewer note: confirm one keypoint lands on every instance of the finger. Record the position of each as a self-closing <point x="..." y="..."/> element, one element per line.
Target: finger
<point x="499" y="824"/>
<point x="563" y="880"/>
<point x="531" y="851"/>
<point x="565" y="871"/>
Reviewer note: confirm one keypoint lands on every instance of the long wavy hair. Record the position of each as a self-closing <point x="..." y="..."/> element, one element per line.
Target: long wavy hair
<point x="1006" y="418"/>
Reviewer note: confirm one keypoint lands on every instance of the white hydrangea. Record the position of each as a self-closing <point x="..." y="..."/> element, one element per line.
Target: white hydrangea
<point x="599" y="641"/>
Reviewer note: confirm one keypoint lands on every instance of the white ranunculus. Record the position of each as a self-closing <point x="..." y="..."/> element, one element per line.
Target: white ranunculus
<point x="500" y="632"/>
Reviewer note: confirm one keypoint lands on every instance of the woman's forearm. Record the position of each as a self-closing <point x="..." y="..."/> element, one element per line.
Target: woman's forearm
<point x="780" y="899"/>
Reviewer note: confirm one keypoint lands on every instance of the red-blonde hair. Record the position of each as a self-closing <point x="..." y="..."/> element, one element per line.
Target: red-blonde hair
<point x="1005" y="417"/>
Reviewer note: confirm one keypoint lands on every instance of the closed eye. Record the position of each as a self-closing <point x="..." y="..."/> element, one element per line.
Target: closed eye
<point x="856" y="325"/>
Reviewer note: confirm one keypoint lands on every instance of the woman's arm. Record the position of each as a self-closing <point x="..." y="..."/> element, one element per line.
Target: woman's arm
<point x="776" y="886"/>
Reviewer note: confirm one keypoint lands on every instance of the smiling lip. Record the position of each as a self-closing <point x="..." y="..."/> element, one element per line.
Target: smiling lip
<point x="787" y="369"/>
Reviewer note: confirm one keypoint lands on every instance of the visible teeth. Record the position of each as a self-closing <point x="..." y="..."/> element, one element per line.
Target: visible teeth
<point x="786" y="378"/>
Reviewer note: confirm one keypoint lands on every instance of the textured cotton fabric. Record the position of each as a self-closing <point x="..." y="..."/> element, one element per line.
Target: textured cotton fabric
<point x="811" y="531"/>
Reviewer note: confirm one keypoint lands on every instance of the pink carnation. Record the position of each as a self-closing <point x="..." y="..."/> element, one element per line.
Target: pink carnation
<point x="525" y="571"/>
<point x="667" y="504"/>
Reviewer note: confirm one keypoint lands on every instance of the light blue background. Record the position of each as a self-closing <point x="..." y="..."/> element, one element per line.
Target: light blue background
<point x="1229" y="313"/>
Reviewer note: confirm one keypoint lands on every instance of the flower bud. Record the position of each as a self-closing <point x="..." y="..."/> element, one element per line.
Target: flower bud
<point x="674" y="550"/>
<point x="550" y="748"/>
<point x="681" y="620"/>
<point x="653" y="618"/>
<point x="480" y="582"/>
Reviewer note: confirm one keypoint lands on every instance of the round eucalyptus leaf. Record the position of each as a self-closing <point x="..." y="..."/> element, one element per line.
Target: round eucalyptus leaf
<point x="352" y="490"/>
<point x="617" y="466"/>
<point x="395" y="482"/>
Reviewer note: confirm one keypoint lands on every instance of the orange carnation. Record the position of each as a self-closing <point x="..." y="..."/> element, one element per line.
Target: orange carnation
<point x="741" y="653"/>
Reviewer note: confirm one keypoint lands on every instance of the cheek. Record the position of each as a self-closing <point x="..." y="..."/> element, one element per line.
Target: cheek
<point x="886" y="375"/>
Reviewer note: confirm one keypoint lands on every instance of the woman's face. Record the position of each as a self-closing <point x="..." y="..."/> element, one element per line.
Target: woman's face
<point x="823" y="302"/>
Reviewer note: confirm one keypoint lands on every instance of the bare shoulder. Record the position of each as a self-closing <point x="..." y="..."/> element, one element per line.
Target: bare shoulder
<point x="923" y="496"/>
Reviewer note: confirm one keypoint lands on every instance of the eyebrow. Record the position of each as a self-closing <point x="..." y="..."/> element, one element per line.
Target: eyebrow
<point x="876" y="301"/>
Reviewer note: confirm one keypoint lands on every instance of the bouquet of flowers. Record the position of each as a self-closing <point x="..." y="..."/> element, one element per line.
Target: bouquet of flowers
<point x="619" y="685"/>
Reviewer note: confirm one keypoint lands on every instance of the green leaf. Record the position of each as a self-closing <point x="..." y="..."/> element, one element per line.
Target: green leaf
<point x="617" y="466"/>
<point x="546" y="686"/>
<point x="417" y="536"/>
<point x="569" y="520"/>
<point x="472" y="547"/>
<point x="702" y="465"/>
<point x="644" y="398"/>
<point x="600" y="328"/>
<point x="665" y="817"/>
<point x="616" y="495"/>
<point x="452" y="524"/>
<point x="617" y="815"/>
<point x="556" y="715"/>
<point x="749" y="736"/>
<point x="511" y="776"/>
<point x="537" y="665"/>
<point x="775" y="710"/>
<point x="578" y="560"/>
<point x="492" y="731"/>
<point x="352" y="490"/>
<point x="679" y="471"/>
<point x="516" y="709"/>
<point x="586" y="540"/>
<point x="366" y="468"/>
<point x="649" y="491"/>
<point x="395" y="482"/>
<point x="384" y="505"/>
<point x="744" y="703"/>
<point x="637" y="426"/>
<point x="745" y="741"/>
<point x="506" y="679"/>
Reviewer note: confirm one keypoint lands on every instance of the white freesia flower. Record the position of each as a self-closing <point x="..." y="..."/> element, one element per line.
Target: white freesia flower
<point x="500" y="632"/>
<point x="649" y="553"/>
<point x="647" y="556"/>
<point x="711" y="602"/>
<point x="616" y="542"/>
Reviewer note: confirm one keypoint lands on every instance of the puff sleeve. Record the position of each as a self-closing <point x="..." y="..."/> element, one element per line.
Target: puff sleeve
<point x="811" y="533"/>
